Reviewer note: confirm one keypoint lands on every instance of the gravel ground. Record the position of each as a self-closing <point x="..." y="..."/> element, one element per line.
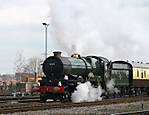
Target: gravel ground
<point x="104" y="109"/>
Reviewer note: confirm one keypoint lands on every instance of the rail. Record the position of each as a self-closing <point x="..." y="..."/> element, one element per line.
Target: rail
<point x="144" y="112"/>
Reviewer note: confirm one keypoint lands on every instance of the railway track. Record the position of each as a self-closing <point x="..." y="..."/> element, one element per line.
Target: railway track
<point x="19" y="99"/>
<point x="34" y="106"/>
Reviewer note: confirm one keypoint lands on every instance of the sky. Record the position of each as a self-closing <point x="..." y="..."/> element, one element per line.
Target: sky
<point x="116" y="29"/>
<point x="21" y="30"/>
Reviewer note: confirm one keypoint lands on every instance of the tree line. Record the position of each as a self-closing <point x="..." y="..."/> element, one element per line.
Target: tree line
<point x="30" y="65"/>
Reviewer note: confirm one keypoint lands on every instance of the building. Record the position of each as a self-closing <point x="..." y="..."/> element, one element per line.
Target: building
<point x="27" y="77"/>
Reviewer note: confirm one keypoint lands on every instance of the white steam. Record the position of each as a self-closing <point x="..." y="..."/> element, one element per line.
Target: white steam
<point x="85" y="93"/>
<point x="111" y="86"/>
<point x="112" y="28"/>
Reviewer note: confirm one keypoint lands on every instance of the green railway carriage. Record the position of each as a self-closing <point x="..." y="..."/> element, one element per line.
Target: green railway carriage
<point x="130" y="78"/>
<point x="121" y="72"/>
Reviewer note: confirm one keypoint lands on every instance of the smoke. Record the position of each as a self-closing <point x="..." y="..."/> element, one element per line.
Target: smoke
<point x="111" y="86"/>
<point x="85" y="93"/>
<point x="112" y="28"/>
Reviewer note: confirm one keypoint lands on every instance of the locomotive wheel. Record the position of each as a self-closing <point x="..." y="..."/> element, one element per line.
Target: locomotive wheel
<point x="43" y="98"/>
<point x="54" y="99"/>
<point x="66" y="97"/>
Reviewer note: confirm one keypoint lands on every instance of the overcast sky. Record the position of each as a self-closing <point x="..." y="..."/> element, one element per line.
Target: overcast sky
<point x="116" y="29"/>
<point x="21" y="30"/>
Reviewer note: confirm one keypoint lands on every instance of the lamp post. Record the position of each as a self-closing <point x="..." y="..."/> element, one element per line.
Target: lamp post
<point x="46" y="26"/>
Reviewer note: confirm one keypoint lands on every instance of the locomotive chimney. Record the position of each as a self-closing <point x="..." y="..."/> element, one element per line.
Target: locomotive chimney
<point x="57" y="54"/>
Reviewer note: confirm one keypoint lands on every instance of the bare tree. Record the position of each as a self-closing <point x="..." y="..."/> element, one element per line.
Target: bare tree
<point x="19" y="62"/>
<point x="34" y="66"/>
<point x="31" y="65"/>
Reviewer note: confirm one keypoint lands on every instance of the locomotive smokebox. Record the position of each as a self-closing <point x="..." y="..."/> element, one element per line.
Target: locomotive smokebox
<point x="57" y="53"/>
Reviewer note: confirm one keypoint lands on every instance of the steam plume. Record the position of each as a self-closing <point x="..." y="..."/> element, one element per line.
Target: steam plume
<point x="112" y="28"/>
<point x="111" y="86"/>
<point x="85" y="93"/>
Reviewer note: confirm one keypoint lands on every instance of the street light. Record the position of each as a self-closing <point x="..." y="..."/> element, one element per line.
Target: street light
<point x="46" y="26"/>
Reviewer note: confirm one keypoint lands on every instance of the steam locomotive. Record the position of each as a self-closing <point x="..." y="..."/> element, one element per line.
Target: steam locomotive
<point x="63" y="74"/>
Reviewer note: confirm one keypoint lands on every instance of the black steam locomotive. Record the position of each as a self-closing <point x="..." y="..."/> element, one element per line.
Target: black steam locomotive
<point x="63" y="74"/>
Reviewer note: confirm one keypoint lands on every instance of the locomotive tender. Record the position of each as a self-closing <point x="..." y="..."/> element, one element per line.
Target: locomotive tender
<point x="63" y="74"/>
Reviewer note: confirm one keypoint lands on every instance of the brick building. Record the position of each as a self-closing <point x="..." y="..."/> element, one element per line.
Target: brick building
<point x="27" y="77"/>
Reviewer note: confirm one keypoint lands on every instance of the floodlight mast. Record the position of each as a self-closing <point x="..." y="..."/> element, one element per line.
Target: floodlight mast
<point x="46" y="26"/>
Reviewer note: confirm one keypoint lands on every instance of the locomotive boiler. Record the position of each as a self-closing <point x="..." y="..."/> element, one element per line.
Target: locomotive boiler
<point x="63" y="74"/>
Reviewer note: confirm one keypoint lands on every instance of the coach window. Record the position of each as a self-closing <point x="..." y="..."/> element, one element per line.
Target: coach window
<point x="137" y="73"/>
<point x="141" y="74"/>
<point x="144" y="73"/>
